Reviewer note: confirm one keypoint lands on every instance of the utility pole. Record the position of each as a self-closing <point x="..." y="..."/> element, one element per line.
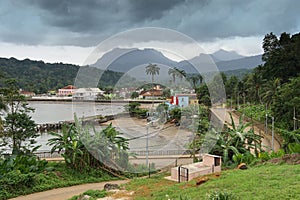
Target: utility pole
<point x="294" y="118"/>
<point x="147" y="150"/>
<point x="266" y="126"/>
<point x="238" y="100"/>
<point x="195" y="117"/>
<point x="273" y="133"/>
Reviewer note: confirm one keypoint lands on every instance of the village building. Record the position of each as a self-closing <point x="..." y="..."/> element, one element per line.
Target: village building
<point x="27" y="93"/>
<point x="89" y="94"/>
<point x="184" y="100"/>
<point x="67" y="91"/>
<point x="154" y="93"/>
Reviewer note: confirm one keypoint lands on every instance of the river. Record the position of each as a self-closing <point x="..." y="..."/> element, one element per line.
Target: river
<point x="53" y="112"/>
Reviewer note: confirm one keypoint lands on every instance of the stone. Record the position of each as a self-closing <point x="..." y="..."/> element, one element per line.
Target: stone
<point x="84" y="197"/>
<point x="202" y="180"/>
<point x="110" y="186"/>
<point x="242" y="166"/>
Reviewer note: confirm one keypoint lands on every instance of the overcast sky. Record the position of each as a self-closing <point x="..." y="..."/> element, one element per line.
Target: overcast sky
<point x="68" y="30"/>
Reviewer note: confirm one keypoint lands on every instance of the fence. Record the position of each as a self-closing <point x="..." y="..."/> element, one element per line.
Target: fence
<point x="47" y="154"/>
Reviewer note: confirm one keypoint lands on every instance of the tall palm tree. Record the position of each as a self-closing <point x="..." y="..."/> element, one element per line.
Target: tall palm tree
<point x="153" y="70"/>
<point x="271" y="88"/>
<point x="195" y="80"/>
<point x="172" y="72"/>
<point x="255" y="82"/>
<point x="175" y="72"/>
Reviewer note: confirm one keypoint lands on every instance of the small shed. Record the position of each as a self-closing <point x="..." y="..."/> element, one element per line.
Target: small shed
<point x="210" y="164"/>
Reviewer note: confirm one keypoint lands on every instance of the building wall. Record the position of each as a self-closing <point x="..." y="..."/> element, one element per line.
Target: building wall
<point x="65" y="92"/>
<point x="183" y="101"/>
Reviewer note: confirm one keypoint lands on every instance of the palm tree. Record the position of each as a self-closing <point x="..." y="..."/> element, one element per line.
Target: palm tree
<point x="271" y="88"/>
<point x="175" y="72"/>
<point x="181" y="73"/>
<point x="172" y="72"/>
<point x="82" y="149"/>
<point x="195" y="80"/>
<point x="255" y="82"/>
<point x="153" y="70"/>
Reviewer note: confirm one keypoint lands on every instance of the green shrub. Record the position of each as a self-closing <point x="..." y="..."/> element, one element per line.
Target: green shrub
<point x="15" y="181"/>
<point x="23" y="163"/>
<point x="247" y="158"/>
<point x="221" y="195"/>
<point x="94" y="194"/>
<point x="294" y="148"/>
<point x="265" y="156"/>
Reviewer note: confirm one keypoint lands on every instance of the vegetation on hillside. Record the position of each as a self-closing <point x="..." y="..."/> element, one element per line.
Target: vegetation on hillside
<point x="83" y="150"/>
<point x="266" y="181"/>
<point x="40" y="77"/>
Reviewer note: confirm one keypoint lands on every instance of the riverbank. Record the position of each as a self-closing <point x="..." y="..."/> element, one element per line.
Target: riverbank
<point x="162" y="138"/>
<point x="70" y="99"/>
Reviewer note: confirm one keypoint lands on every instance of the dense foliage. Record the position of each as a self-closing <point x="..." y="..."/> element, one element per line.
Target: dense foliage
<point x="275" y="84"/>
<point x="40" y="77"/>
<point x="18" y="182"/>
<point x="83" y="150"/>
<point x="17" y="128"/>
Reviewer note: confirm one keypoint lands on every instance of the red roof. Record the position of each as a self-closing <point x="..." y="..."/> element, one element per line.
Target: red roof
<point x="69" y="87"/>
<point x="152" y="93"/>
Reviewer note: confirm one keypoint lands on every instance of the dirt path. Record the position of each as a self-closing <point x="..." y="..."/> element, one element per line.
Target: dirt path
<point x="66" y="192"/>
<point x="223" y="113"/>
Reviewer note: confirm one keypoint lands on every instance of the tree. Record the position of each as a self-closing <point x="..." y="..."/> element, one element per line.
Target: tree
<point x="286" y="99"/>
<point x="203" y="95"/>
<point x="167" y="93"/>
<point x="270" y="44"/>
<point x="195" y="80"/>
<point x="175" y="72"/>
<point x="134" y="95"/>
<point x="282" y="57"/>
<point x="270" y="89"/>
<point x="237" y="140"/>
<point x="83" y="150"/>
<point x="153" y="70"/>
<point x="19" y="129"/>
<point x="231" y="87"/>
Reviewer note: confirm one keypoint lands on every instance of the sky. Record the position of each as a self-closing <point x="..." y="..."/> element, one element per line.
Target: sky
<point x="69" y="30"/>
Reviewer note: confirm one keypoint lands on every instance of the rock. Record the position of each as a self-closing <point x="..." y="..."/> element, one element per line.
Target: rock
<point x="202" y="180"/>
<point x="110" y="186"/>
<point x="242" y="166"/>
<point x="84" y="197"/>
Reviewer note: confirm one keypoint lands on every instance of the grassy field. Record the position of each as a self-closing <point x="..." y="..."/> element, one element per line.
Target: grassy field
<point x="266" y="181"/>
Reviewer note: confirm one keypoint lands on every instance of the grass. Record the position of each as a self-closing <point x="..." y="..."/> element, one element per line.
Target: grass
<point x="93" y="194"/>
<point x="266" y="181"/>
<point x="60" y="177"/>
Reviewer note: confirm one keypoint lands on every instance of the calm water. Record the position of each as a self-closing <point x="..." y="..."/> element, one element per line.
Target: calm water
<point x="52" y="112"/>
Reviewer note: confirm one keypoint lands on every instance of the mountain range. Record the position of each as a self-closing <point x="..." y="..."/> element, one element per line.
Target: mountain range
<point x="125" y="60"/>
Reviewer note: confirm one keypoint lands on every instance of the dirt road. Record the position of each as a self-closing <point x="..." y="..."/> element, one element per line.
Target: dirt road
<point x="66" y="192"/>
<point x="223" y="114"/>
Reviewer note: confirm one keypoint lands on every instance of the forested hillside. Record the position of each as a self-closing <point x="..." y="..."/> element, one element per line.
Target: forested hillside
<point x="40" y="77"/>
<point x="276" y="83"/>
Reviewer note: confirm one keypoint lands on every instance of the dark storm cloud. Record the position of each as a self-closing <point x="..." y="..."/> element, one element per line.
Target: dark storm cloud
<point x="151" y="9"/>
<point x="85" y="23"/>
